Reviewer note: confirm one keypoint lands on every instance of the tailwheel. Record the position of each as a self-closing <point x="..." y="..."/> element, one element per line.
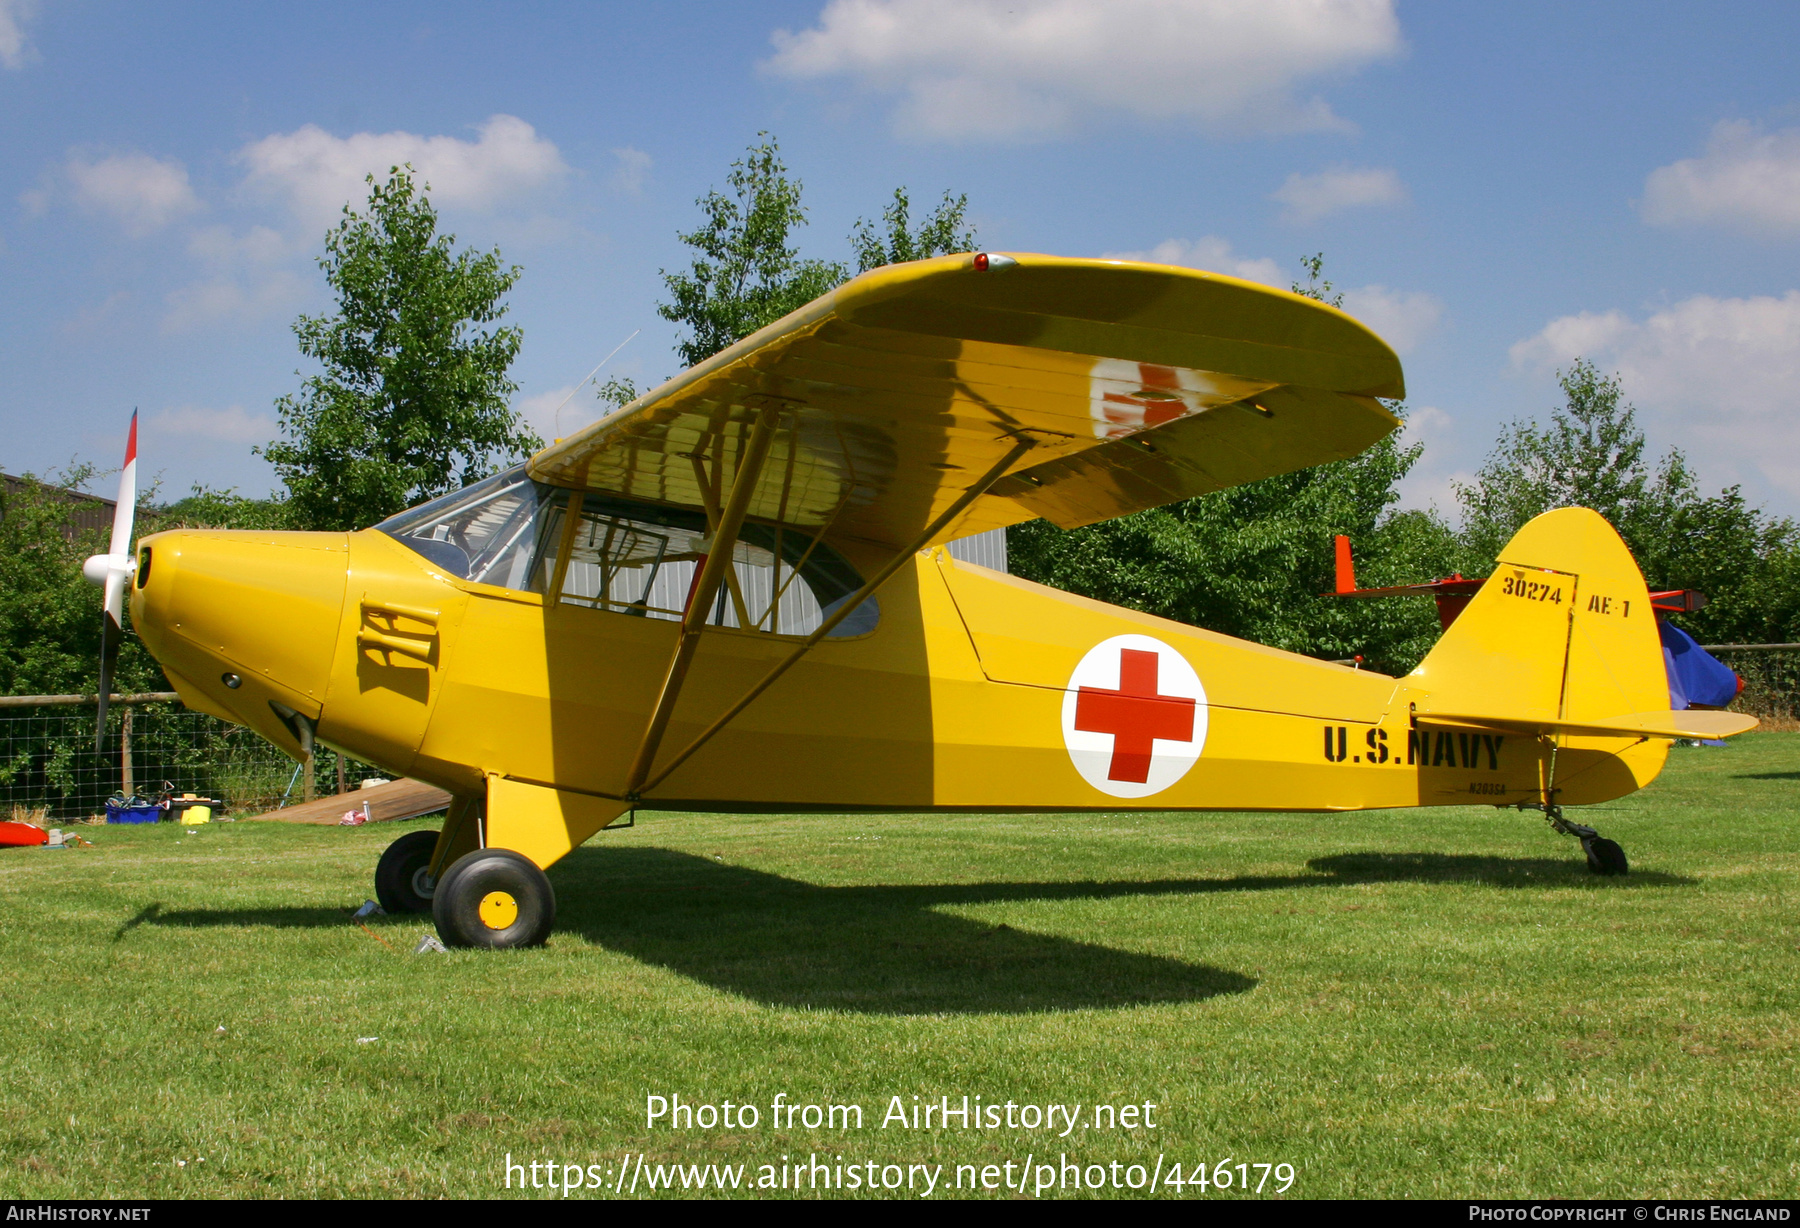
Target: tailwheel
<point x="1605" y="856"/>
<point x="403" y="880"/>
<point x="493" y="898"/>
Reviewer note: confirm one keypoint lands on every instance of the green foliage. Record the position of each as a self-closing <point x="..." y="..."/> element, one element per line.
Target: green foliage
<point x="1315" y="287"/>
<point x="942" y="231"/>
<point x="746" y="271"/>
<point x="619" y="391"/>
<point x="413" y="399"/>
<point x="1591" y="454"/>
<point x="746" y="274"/>
<point x="1253" y="561"/>
<point x="49" y="614"/>
<point x="208" y="507"/>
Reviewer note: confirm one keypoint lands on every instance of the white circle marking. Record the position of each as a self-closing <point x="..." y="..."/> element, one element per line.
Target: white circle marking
<point x="1133" y="716"/>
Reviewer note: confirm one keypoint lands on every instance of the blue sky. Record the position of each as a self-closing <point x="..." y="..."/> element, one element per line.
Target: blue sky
<point x="1498" y="188"/>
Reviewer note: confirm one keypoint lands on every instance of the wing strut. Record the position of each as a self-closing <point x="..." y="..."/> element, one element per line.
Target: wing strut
<point x="711" y="573"/>
<point x="844" y="610"/>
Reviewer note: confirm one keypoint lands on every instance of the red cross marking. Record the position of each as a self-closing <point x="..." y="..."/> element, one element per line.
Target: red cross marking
<point x="1148" y="411"/>
<point x="1135" y="715"/>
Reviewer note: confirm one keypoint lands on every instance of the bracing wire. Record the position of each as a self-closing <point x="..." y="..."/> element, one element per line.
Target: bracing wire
<point x="590" y="375"/>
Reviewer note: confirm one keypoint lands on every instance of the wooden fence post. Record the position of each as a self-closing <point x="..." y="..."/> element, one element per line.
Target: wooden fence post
<point x="127" y="787"/>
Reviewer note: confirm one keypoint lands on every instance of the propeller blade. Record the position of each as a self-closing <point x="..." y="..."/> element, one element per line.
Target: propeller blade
<point x="110" y="635"/>
<point x="126" y="509"/>
<point x="113" y="570"/>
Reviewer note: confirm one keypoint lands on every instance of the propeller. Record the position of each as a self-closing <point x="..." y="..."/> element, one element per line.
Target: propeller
<point x="113" y="571"/>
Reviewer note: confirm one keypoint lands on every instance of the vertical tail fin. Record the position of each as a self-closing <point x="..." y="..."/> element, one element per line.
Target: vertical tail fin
<point x="1561" y="633"/>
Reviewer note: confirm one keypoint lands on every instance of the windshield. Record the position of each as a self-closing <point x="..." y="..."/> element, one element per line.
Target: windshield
<point x="625" y="557"/>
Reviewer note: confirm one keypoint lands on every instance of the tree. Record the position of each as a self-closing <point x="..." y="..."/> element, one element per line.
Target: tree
<point x="209" y="507"/>
<point x="747" y="274"/>
<point x="1590" y="454"/>
<point x="413" y="399"/>
<point x="941" y="232"/>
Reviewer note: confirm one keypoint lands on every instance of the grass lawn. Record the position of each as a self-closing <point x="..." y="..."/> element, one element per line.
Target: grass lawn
<point x="1408" y="1003"/>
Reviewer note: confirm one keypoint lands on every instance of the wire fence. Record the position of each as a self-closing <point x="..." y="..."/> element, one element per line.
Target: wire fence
<point x="49" y="769"/>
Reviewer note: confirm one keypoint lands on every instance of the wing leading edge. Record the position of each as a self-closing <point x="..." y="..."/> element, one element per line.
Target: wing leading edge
<point x="1134" y="385"/>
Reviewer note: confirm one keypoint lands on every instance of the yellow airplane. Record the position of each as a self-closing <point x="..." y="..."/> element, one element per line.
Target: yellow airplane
<point x="733" y="595"/>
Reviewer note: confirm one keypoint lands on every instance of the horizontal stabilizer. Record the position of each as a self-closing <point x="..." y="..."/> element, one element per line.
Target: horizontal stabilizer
<point x="1689" y="723"/>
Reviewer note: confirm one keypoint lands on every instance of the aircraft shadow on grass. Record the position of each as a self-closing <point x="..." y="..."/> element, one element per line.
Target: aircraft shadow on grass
<point x="889" y="949"/>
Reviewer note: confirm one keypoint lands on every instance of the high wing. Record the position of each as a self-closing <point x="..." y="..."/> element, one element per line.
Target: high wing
<point x="1127" y="386"/>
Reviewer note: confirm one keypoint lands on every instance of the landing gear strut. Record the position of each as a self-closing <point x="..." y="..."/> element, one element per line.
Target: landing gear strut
<point x="1603" y="856"/>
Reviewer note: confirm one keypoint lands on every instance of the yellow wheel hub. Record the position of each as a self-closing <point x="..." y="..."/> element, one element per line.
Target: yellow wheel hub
<point x="498" y="910"/>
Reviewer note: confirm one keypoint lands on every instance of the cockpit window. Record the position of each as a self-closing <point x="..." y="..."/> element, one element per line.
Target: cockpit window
<point x="629" y="558"/>
<point x="486" y="532"/>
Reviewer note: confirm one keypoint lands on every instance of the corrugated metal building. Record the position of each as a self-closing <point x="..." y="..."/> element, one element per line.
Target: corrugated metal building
<point x="986" y="549"/>
<point x="89" y="511"/>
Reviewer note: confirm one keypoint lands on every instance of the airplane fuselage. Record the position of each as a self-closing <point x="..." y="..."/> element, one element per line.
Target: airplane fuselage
<point x="975" y="690"/>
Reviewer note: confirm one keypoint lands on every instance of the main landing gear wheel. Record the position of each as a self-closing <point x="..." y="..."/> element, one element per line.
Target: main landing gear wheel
<point x="403" y="880"/>
<point x="493" y="898"/>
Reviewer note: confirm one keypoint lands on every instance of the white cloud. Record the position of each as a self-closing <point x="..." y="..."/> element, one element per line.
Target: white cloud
<point x="244" y="282"/>
<point x="14" y="50"/>
<point x="141" y="192"/>
<point x="1402" y="318"/>
<point x="1211" y="253"/>
<point x="218" y="246"/>
<point x="233" y="424"/>
<point x="540" y="411"/>
<point x="632" y="171"/>
<point x="93" y="317"/>
<point x="1311" y="197"/>
<point x="1720" y="376"/>
<point x="317" y="173"/>
<point x="1432" y="481"/>
<point x="230" y="299"/>
<point x="1034" y="68"/>
<point x="1747" y="179"/>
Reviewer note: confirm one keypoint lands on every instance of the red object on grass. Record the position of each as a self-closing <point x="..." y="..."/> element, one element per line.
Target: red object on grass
<point x="21" y="835"/>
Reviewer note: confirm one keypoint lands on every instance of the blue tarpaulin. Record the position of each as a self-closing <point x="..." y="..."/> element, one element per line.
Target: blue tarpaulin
<point x="1695" y="676"/>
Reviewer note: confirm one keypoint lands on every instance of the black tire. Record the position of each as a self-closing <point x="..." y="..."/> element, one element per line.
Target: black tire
<point x="1606" y="857"/>
<point x="493" y="898"/>
<point x="403" y="875"/>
